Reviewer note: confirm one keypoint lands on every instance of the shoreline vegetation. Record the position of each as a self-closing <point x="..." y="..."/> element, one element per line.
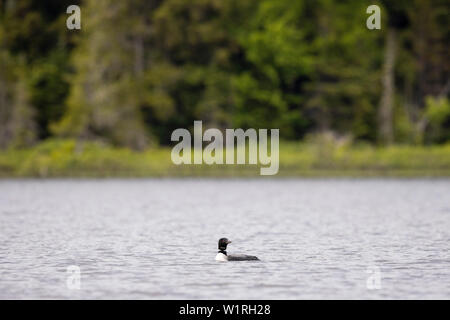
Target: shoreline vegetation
<point x="348" y="101"/>
<point x="71" y="159"/>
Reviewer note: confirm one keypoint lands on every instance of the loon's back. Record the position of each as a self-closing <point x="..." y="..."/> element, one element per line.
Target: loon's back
<point x="241" y="257"/>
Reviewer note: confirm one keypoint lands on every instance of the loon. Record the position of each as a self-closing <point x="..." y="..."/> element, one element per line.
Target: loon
<point x="223" y="256"/>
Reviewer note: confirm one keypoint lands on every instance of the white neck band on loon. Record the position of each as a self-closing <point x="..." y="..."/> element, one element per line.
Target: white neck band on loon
<point x="222" y="251"/>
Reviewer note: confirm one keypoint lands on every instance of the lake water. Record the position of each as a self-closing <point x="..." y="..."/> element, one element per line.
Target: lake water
<point x="157" y="239"/>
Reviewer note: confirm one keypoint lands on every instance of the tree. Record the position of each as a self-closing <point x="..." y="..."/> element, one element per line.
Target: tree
<point x="311" y="67"/>
<point x="397" y="21"/>
<point x="35" y="37"/>
<point x="109" y="61"/>
<point x="17" y="125"/>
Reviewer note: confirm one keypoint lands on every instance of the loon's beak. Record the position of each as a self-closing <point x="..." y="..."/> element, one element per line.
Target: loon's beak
<point x="229" y="241"/>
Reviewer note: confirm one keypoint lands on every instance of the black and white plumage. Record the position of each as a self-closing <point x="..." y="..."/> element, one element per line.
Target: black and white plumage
<point x="223" y="256"/>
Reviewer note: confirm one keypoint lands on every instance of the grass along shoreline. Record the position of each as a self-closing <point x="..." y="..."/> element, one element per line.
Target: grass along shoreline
<point x="68" y="158"/>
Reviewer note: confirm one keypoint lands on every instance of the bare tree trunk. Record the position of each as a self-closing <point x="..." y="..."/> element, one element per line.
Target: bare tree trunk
<point x="4" y="115"/>
<point x="385" y="111"/>
<point x="138" y="56"/>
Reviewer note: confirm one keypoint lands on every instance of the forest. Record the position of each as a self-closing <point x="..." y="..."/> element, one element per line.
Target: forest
<point x="108" y="96"/>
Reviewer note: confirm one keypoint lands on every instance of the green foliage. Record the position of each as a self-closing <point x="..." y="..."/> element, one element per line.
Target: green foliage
<point x="48" y="89"/>
<point x="438" y="114"/>
<point x="139" y="69"/>
<point x="104" y="101"/>
<point x="323" y="155"/>
<point x="17" y="127"/>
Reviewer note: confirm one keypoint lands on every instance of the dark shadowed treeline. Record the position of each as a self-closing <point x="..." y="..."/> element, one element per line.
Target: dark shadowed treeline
<point x="139" y="69"/>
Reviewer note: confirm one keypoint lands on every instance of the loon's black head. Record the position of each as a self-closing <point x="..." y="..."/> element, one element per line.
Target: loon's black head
<point x="223" y="242"/>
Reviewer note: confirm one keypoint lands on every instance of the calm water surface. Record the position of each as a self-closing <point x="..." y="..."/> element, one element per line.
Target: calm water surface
<point x="157" y="239"/>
